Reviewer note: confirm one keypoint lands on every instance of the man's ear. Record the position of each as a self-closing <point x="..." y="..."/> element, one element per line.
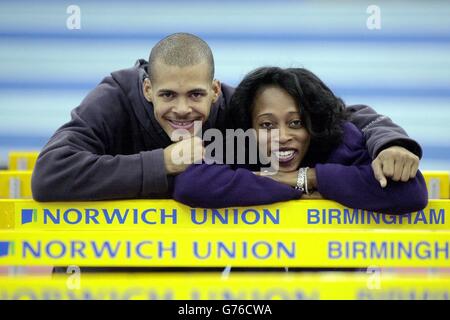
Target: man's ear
<point x="147" y="90"/>
<point x="216" y="87"/>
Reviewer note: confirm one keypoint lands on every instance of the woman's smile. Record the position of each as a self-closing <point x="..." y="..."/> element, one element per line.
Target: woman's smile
<point x="275" y="109"/>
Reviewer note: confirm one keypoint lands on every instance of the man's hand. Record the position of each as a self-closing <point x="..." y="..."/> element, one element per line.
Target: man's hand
<point x="396" y="163"/>
<point x="180" y="155"/>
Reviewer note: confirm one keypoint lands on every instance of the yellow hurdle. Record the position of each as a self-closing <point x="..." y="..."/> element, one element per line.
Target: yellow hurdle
<point x="15" y="184"/>
<point x="236" y="247"/>
<point x="323" y="286"/>
<point x="171" y="215"/>
<point x="22" y="160"/>
<point x="438" y="184"/>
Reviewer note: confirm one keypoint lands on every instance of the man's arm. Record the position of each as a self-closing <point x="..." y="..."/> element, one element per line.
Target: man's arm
<point x="380" y="131"/>
<point x="74" y="165"/>
<point x="395" y="155"/>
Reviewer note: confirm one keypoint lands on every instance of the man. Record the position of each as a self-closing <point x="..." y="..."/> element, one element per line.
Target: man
<point x="118" y="144"/>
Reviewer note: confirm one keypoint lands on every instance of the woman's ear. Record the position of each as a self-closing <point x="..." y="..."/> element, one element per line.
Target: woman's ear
<point x="147" y="89"/>
<point x="216" y="87"/>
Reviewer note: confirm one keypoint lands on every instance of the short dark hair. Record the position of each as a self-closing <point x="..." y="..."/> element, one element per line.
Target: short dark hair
<point x="181" y="49"/>
<point x="322" y="112"/>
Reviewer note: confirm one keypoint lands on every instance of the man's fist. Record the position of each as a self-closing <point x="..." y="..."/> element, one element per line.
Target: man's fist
<point x="396" y="163"/>
<point x="180" y="155"/>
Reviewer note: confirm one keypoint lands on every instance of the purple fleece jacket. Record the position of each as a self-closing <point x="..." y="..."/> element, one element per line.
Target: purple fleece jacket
<point x="346" y="177"/>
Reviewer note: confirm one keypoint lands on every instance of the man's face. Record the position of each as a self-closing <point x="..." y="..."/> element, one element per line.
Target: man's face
<point x="181" y="95"/>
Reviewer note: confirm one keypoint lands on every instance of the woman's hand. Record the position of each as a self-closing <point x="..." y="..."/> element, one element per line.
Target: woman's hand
<point x="290" y="178"/>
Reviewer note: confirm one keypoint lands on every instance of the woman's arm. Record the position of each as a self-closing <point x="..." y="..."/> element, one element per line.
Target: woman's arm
<point x="348" y="178"/>
<point x="355" y="187"/>
<point x="219" y="186"/>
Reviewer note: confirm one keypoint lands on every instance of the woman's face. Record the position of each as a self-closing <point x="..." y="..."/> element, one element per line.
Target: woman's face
<point x="274" y="108"/>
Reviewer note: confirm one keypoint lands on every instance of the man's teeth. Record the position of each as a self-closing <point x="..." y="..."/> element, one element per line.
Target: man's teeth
<point x="284" y="154"/>
<point x="181" y="123"/>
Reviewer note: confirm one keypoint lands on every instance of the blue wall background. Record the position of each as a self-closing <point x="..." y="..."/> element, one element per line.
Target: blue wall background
<point x="402" y="70"/>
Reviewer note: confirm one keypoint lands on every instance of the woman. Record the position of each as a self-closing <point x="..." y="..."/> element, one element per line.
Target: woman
<point x="320" y="154"/>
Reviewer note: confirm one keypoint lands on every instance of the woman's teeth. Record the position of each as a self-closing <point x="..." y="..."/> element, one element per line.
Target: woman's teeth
<point x="284" y="156"/>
